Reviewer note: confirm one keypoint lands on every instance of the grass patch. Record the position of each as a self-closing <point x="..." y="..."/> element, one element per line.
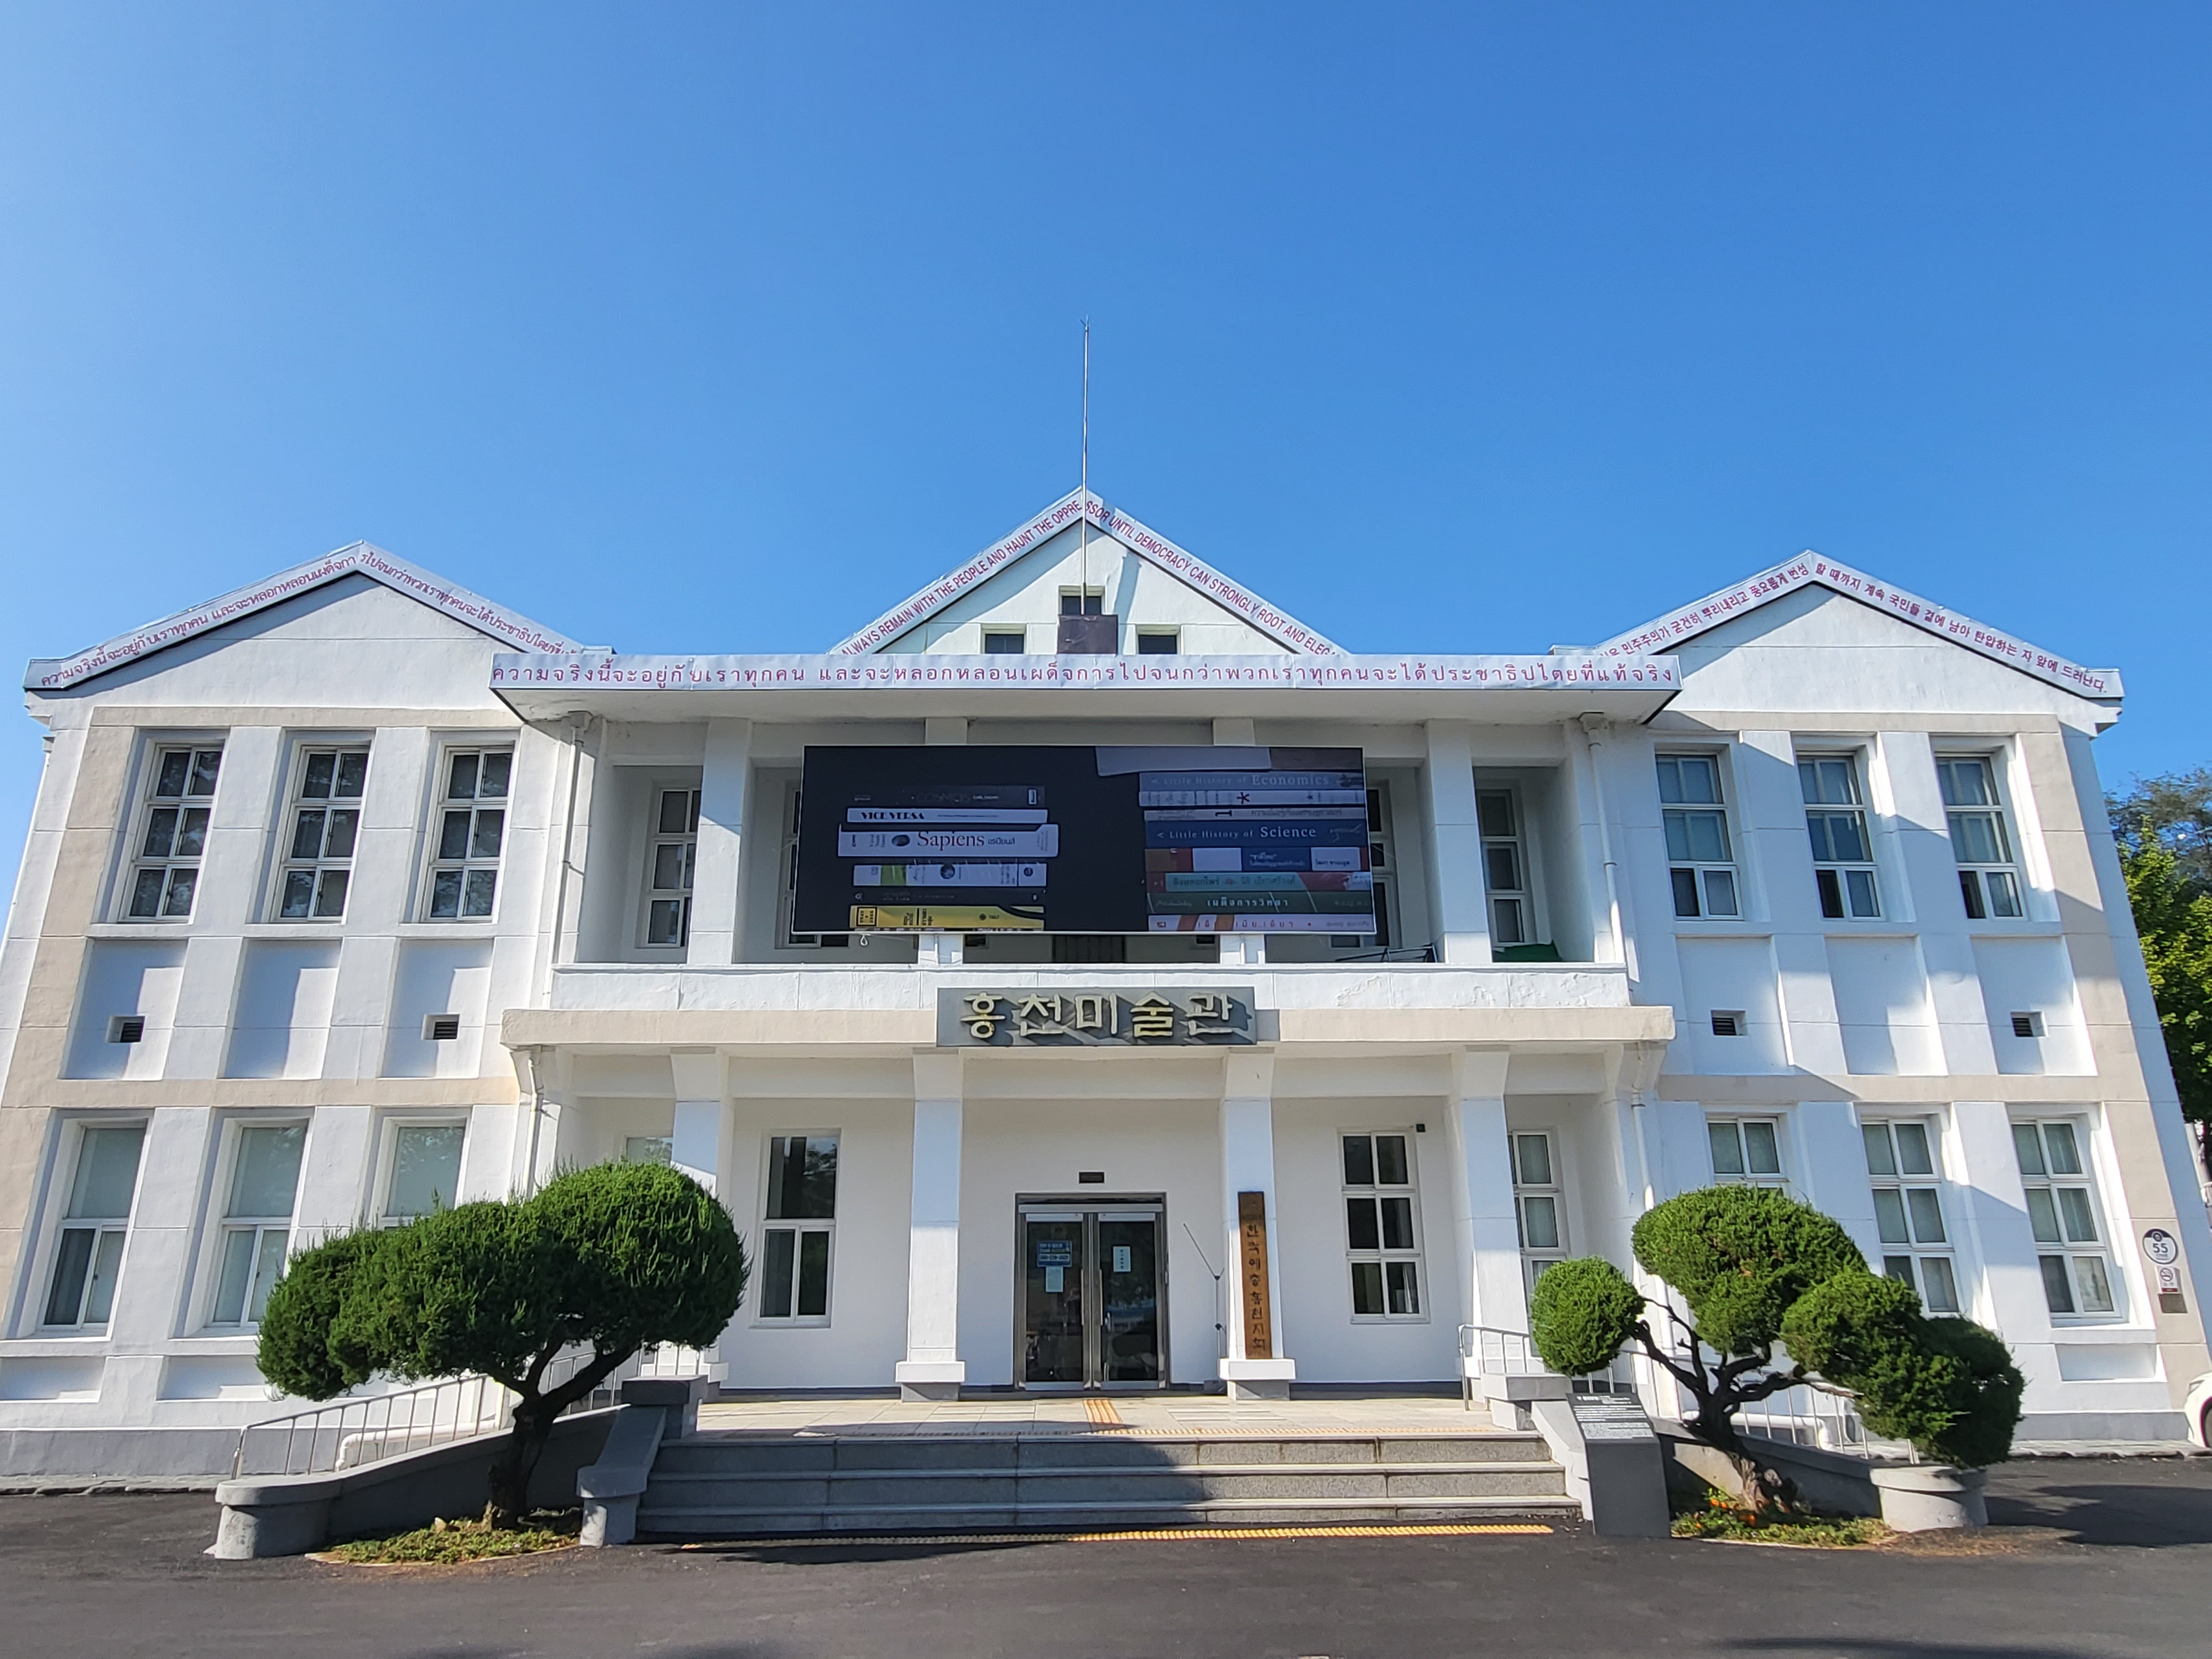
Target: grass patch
<point x="449" y="1543"/>
<point x="1722" y="1518"/>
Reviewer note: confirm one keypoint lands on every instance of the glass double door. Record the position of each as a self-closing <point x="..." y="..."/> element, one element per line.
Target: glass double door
<point x="1089" y="1295"/>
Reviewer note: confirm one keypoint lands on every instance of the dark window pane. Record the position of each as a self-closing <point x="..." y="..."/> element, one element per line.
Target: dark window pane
<point x="1502" y="869"/>
<point x="176" y="769"/>
<point x="66" y="1299"/>
<point x="476" y="894"/>
<point x="1405" y="1295"/>
<point x="1360" y="1225"/>
<point x="674" y="812"/>
<point x="446" y="893"/>
<point x="179" y="900"/>
<point x="802" y="1178"/>
<point x="1495" y="814"/>
<point x="665" y="922"/>
<point x="191" y="832"/>
<point x="299" y="893"/>
<point x="491" y="823"/>
<point x="2057" y="1290"/>
<point x="146" y="896"/>
<point x="1391" y="1161"/>
<point x="491" y="782"/>
<point x="1397" y="1224"/>
<point x="339" y="843"/>
<point x="461" y="782"/>
<point x="668" y="867"/>
<point x="308" y="834"/>
<point x="353" y="772"/>
<point x="1367" y="1287"/>
<point x="813" y="1273"/>
<point x="205" y="764"/>
<point x="322" y="769"/>
<point x="1831" y="892"/>
<point x="1002" y="644"/>
<point x="161" y="832"/>
<point x="1156" y="645"/>
<point x="775" y="1274"/>
<point x="454" y="838"/>
<point x="1685" y="891"/>
<point x="330" y="894"/>
<point x="1358" y="1161"/>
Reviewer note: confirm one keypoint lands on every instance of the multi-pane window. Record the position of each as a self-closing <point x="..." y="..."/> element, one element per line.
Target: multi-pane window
<point x="325" y="819"/>
<point x="1504" y="867"/>
<point x="1537" y="1205"/>
<point x="2062" y="1212"/>
<point x="425" y="1173"/>
<point x="1989" y="871"/>
<point x="1700" y="858"/>
<point x="1379" y="874"/>
<point x="88" y="1255"/>
<point x="801" y="1218"/>
<point x="472" y="815"/>
<point x="1842" y="852"/>
<point x="647" y="1149"/>
<point x="669" y="868"/>
<point x="1908" y="1210"/>
<point x="1746" y="1150"/>
<point x="166" y="868"/>
<point x="1003" y="642"/>
<point x="257" y="1221"/>
<point x="1380" y="1227"/>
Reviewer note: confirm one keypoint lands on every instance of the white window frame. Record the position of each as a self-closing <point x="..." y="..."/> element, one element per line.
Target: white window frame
<point x="387" y="1161"/>
<point x="320" y="865"/>
<point x="1852" y="886"/>
<point x="1381" y="874"/>
<point x="222" y="1226"/>
<point x="193" y="813"/>
<point x="1152" y="635"/>
<point x="1904" y="1171"/>
<point x="1384" y="1256"/>
<point x="69" y="1150"/>
<point x="1712" y="883"/>
<point x="683" y="846"/>
<point x="991" y="634"/>
<point x="1537" y="1191"/>
<point x="800" y="1227"/>
<point x="1986" y="886"/>
<point x="472" y="861"/>
<point x="1520" y="900"/>
<point x="2079" y="1267"/>
<point x="1748" y="1145"/>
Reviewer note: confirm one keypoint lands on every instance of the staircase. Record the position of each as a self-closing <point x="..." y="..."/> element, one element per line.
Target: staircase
<point x="726" y="1486"/>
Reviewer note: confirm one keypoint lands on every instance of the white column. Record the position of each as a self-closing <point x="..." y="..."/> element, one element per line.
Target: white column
<point x="1454" y="849"/>
<point x="1486" y="1234"/>
<point x="701" y="1135"/>
<point x="725" y="785"/>
<point x="933" y="1368"/>
<point x="1248" y="1165"/>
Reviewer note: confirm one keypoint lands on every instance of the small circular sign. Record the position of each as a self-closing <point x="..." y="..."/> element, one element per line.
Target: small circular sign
<point x="2161" y="1246"/>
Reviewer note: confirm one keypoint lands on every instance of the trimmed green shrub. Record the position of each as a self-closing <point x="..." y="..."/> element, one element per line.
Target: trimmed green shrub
<point x="1583" y="1312"/>
<point x="300" y="1351"/>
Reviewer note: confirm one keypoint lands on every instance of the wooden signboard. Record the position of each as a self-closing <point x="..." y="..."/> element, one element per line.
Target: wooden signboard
<point x="1252" y="1269"/>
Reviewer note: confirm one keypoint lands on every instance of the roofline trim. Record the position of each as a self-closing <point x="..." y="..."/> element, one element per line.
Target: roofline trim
<point x="362" y="559"/>
<point x="1146" y="543"/>
<point x="1812" y="569"/>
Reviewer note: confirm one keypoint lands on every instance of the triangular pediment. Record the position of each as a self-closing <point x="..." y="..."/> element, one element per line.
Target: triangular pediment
<point x="1813" y="570"/>
<point x="510" y="627"/>
<point x="973" y="592"/>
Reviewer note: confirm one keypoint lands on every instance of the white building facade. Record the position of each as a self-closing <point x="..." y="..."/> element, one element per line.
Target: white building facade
<point x="352" y="895"/>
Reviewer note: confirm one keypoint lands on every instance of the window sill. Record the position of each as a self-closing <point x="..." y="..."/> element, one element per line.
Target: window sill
<point x="809" y="1323"/>
<point x="137" y="929"/>
<point x="443" y="929"/>
<point x="2022" y="928"/>
<point x="1389" y="1319"/>
<point x="1737" y="926"/>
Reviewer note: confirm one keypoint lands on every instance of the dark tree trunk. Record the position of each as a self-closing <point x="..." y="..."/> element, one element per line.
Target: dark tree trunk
<point x="516" y="1462"/>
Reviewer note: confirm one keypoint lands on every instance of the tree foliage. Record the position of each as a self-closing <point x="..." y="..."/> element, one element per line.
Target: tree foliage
<point x="2173" y="920"/>
<point x="2171" y="813"/>
<point x="607" y="1258"/>
<point x="1779" y="1294"/>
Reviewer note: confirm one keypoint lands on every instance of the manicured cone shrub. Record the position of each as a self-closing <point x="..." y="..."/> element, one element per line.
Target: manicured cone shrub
<point x="609" y="1258"/>
<point x="1583" y="1313"/>
<point x="1740" y="1256"/>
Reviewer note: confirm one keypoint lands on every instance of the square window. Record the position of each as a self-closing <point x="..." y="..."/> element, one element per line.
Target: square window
<point x="1003" y="642"/>
<point x="1157" y="642"/>
<point x="425" y="1170"/>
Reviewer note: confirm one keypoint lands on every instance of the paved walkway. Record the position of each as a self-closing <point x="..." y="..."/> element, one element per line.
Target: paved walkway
<point x="1170" y="1415"/>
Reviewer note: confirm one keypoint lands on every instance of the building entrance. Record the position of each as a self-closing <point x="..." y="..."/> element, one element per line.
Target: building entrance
<point x="1089" y="1294"/>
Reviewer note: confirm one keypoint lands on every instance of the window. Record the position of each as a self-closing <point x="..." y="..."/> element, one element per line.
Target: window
<point x="670" y="863"/>
<point x="647" y="1149"/>
<point x="802" y="1215"/>
<point x="1156" y="641"/>
<point x="1989" y="874"/>
<point x="2062" y="1212"/>
<point x="1537" y="1205"/>
<point x="1083" y="602"/>
<point x="1005" y="641"/>
<point x="1700" y="858"/>
<point x="325" y="819"/>
<point x="1746" y="1150"/>
<point x="1908" y="1210"/>
<point x="1379" y="1224"/>
<point x="1504" y="867"/>
<point x="165" y="875"/>
<point x="472" y="827"/>
<point x="1843" y="853"/>
<point x="425" y="1172"/>
<point x="257" y="1221"/>
<point x="88" y="1255"/>
<point x="1378" y="867"/>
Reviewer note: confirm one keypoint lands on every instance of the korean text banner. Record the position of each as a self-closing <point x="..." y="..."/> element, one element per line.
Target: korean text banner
<point x="1068" y="840"/>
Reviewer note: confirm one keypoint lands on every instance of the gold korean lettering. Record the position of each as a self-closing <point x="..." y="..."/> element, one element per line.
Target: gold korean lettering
<point x="1036" y="1016"/>
<point x="1099" y="1013"/>
<point x="1212" y="1005"/>
<point x="981" y="1018"/>
<point x="1152" y="1017"/>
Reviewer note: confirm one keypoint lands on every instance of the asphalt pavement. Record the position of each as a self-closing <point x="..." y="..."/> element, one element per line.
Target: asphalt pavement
<point x="2110" y="1558"/>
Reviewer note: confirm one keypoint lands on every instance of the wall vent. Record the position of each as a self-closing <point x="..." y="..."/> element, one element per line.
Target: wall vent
<point x="126" y="1028"/>
<point x="442" y="1028"/>
<point x="1728" y="1021"/>
<point x="1091" y="1177"/>
<point x="2027" y="1025"/>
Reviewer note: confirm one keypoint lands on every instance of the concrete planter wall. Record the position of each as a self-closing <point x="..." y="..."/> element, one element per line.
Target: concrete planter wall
<point x="1931" y="1496"/>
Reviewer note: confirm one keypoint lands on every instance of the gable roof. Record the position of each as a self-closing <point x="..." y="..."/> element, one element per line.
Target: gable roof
<point x="1147" y="544"/>
<point x="1811" y="569"/>
<point x="362" y="559"/>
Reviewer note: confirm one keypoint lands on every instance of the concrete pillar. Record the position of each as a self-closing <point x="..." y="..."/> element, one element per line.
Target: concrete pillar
<point x="1454" y="846"/>
<point x="933" y="1368"/>
<point x="1485" y="1234"/>
<point x="700" y="1138"/>
<point x="725" y="785"/>
<point x="1248" y="1165"/>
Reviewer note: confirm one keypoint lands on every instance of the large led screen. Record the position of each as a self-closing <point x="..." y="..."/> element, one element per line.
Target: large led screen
<point x="1084" y="840"/>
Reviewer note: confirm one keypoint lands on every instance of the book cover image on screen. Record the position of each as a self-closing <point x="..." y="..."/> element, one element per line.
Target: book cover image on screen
<point x="1084" y="839"/>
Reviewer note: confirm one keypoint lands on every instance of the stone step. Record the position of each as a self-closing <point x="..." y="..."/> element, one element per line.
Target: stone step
<point x="731" y="1452"/>
<point x="686" y="1521"/>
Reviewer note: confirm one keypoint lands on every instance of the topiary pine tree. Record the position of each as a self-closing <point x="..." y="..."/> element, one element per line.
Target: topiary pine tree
<point x="611" y="1258"/>
<point x="1779" y="1294"/>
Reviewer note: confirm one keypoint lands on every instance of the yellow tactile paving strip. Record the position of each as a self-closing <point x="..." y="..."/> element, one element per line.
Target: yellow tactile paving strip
<point x="1137" y="1535"/>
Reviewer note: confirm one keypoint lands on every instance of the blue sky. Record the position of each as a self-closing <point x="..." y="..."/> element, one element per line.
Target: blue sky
<point x="1473" y="328"/>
